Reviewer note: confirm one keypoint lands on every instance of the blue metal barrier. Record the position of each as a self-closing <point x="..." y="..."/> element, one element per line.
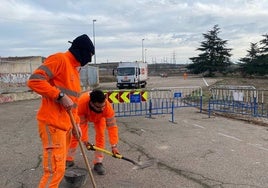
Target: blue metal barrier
<point x="243" y="101"/>
<point x="155" y="101"/>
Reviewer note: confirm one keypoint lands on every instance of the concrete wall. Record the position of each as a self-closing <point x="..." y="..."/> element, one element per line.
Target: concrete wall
<point x="15" y="71"/>
<point x="18" y="96"/>
<point x="20" y="64"/>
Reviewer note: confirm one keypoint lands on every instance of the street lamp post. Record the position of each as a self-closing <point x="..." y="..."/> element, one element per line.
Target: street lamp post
<point x="145" y="50"/>
<point x="94" y="40"/>
<point x="142" y="51"/>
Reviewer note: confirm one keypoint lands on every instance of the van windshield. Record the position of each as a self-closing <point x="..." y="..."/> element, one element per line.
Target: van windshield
<point x="126" y="71"/>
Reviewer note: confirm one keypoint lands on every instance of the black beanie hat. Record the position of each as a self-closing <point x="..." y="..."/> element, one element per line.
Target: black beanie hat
<point x="82" y="48"/>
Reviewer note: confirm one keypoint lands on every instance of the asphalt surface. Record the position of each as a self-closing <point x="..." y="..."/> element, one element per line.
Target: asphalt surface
<point x="194" y="152"/>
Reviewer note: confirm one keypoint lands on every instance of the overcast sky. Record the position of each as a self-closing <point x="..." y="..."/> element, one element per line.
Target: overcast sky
<point x="172" y="29"/>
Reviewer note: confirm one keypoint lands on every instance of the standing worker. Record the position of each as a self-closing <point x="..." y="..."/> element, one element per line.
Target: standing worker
<point x="57" y="81"/>
<point x="94" y="107"/>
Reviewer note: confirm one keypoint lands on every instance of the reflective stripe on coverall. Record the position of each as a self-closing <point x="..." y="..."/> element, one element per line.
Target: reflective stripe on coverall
<point x="57" y="74"/>
<point x="101" y="121"/>
<point x="55" y="143"/>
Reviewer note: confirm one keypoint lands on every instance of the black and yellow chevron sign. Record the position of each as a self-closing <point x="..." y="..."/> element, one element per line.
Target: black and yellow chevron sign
<point x="117" y="96"/>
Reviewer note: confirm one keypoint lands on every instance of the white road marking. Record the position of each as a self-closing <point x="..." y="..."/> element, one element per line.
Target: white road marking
<point x="205" y="82"/>
<point x="232" y="137"/>
<point x="196" y="125"/>
<point x="199" y="126"/>
<point x="164" y="147"/>
<point x="258" y="146"/>
<point x="185" y="122"/>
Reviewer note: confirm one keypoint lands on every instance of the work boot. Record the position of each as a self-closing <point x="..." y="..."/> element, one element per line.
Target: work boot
<point x="98" y="167"/>
<point x="69" y="164"/>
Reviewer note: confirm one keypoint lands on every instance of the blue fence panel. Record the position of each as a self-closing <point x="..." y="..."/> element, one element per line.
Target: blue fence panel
<point x="155" y="101"/>
<point x="244" y="101"/>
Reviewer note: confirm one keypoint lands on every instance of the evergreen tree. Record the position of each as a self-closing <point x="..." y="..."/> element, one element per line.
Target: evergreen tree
<point x="215" y="56"/>
<point x="264" y="45"/>
<point x="248" y="66"/>
<point x="256" y="61"/>
<point x="263" y="58"/>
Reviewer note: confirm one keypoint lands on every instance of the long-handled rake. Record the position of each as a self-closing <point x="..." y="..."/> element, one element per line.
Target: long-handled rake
<point x="82" y="149"/>
<point x="138" y="165"/>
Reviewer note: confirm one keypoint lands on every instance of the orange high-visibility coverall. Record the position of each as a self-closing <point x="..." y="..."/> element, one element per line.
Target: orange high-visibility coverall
<point x="57" y="74"/>
<point x="102" y="121"/>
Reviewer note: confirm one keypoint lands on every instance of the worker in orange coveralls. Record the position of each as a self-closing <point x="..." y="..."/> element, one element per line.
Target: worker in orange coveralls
<point x="57" y="81"/>
<point x="94" y="107"/>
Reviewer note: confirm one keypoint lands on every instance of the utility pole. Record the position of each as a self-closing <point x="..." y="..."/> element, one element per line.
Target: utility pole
<point x="174" y="57"/>
<point x="142" y="51"/>
<point x="94" y="40"/>
<point x="145" y="50"/>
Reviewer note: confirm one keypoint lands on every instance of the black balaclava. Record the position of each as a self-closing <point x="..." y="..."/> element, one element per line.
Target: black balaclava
<point x="82" y="48"/>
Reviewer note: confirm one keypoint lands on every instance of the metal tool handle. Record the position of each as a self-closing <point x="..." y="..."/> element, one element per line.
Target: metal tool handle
<point x="118" y="156"/>
<point x="82" y="149"/>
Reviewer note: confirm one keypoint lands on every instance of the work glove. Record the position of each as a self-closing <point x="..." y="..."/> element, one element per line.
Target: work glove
<point x="89" y="146"/>
<point x="77" y="136"/>
<point x="115" y="150"/>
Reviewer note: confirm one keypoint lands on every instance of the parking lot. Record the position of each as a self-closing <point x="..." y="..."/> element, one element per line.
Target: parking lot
<point x="194" y="152"/>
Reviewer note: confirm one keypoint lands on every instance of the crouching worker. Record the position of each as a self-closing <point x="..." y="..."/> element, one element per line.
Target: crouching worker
<point x="94" y="107"/>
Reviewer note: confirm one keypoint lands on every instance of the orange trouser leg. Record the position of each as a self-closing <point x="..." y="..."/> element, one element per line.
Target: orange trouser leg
<point x="74" y="142"/>
<point x="55" y="143"/>
<point x="100" y="127"/>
